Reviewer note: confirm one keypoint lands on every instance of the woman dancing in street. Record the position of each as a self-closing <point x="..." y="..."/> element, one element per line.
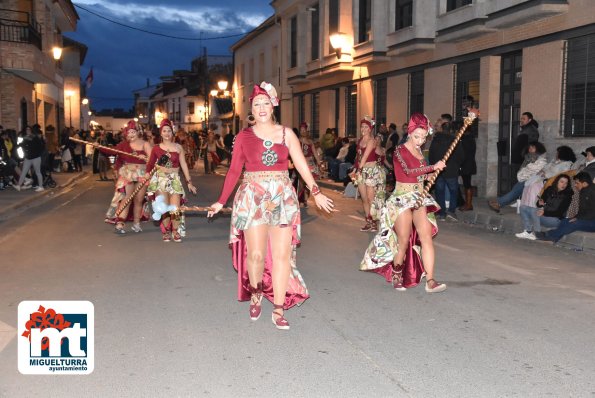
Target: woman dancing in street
<point x="405" y="230"/>
<point x="265" y="226"/>
<point x="312" y="159"/>
<point x="369" y="174"/>
<point x="166" y="181"/>
<point x="131" y="173"/>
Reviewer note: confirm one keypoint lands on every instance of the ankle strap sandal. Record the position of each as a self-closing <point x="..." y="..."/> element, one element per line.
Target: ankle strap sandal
<point x="281" y="323"/>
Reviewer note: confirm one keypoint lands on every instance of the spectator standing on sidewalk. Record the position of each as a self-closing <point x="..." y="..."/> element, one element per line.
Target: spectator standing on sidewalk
<point x="448" y="179"/>
<point x="529" y="133"/>
<point x="33" y="147"/>
<point x="468" y="167"/>
<point x="77" y="149"/>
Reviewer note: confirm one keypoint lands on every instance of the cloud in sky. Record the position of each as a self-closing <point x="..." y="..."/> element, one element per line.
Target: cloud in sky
<point x="123" y="58"/>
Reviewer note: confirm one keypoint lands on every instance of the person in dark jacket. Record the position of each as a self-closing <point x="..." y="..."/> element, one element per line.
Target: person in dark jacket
<point x="529" y="133"/>
<point x="468" y="168"/>
<point x="448" y="178"/>
<point x="33" y="147"/>
<point x="551" y="208"/>
<point x="585" y="218"/>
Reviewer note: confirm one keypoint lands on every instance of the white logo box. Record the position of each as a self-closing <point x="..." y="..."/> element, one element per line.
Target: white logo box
<point x="80" y="361"/>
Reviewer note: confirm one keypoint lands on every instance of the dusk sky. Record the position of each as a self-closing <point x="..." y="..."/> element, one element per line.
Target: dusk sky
<point x="123" y="58"/>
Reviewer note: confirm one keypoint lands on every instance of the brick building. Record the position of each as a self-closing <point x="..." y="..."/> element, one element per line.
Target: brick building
<point x="32" y="82"/>
<point x="400" y="56"/>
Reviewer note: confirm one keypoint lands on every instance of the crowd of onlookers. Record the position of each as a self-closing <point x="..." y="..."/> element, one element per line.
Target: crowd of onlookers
<point x="557" y="195"/>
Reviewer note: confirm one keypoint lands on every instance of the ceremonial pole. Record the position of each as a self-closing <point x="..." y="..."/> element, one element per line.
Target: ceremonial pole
<point x="472" y="114"/>
<point x="160" y="162"/>
<point x="107" y="148"/>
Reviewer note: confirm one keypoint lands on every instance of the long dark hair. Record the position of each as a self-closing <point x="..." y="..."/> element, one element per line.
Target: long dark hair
<point x="565" y="153"/>
<point x="568" y="188"/>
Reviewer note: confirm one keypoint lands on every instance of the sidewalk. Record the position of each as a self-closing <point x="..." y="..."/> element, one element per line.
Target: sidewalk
<point x="11" y="199"/>
<point x="507" y="221"/>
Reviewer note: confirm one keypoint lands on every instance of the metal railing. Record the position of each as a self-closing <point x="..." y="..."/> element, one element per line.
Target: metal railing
<point x="18" y="26"/>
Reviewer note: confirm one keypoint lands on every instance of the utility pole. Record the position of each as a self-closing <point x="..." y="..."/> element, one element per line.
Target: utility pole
<point x="205" y="86"/>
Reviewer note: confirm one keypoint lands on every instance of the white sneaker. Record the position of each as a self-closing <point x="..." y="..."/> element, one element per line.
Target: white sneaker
<point x="39" y="189"/>
<point x="17" y="187"/>
<point x="525" y="235"/>
<point x="28" y="181"/>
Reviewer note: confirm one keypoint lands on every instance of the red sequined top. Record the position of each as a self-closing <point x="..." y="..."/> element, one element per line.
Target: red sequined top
<point x="372" y="156"/>
<point x="121" y="160"/>
<point x="157" y="152"/>
<point x="247" y="153"/>
<point x="407" y="167"/>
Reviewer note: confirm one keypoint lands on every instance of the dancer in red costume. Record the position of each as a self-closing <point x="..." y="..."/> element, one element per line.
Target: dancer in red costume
<point x="265" y="226"/>
<point x="369" y="174"/>
<point x="131" y="172"/>
<point x="406" y="232"/>
<point x="312" y="159"/>
<point x="166" y="181"/>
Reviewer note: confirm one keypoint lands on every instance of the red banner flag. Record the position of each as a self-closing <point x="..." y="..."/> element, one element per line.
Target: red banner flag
<point x="89" y="79"/>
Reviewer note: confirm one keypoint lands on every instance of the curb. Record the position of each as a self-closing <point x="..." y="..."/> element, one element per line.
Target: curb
<point x="39" y="195"/>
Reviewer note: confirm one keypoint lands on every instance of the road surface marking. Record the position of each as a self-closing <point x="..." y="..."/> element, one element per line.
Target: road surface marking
<point x="587" y="292"/>
<point x="75" y="197"/>
<point x="510" y="268"/>
<point x="7" y="332"/>
<point x="446" y="247"/>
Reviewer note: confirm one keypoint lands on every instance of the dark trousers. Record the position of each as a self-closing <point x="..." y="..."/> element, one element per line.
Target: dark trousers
<point x="442" y="184"/>
<point x="567" y="227"/>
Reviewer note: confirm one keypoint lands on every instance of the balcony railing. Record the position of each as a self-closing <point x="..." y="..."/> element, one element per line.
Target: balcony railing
<point x="17" y="26"/>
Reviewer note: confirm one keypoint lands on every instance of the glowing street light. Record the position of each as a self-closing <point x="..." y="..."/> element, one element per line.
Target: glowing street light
<point x="222" y="84"/>
<point x="57" y="52"/>
<point x="339" y="42"/>
<point x="85" y="101"/>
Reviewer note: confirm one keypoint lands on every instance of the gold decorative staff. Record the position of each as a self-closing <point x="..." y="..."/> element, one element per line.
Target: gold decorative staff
<point x="160" y="162"/>
<point x="471" y="115"/>
<point x="107" y="148"/>
<point x="185" y="209"/>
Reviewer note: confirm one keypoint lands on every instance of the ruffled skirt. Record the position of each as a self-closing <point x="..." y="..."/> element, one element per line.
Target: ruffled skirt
<point x="374" y="176"/>
<point x="266" y="198"/>
<point x="129" y="173"/>
<point x="168" y="182"/>
<point x="384" y="247"/>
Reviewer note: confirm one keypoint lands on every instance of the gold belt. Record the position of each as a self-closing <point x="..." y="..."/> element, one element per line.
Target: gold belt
<point x="265" y="175"/>
<point x="409" y="187"/>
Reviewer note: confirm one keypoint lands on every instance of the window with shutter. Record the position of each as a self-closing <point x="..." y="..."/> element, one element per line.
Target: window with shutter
<point x="579" y="88"/>
<point x="351" y="111"/>
<point x="416" y="92"/>
<point x="380" y="101"/>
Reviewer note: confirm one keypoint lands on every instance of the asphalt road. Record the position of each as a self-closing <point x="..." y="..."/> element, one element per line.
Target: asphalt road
<point x="517" y="319"/>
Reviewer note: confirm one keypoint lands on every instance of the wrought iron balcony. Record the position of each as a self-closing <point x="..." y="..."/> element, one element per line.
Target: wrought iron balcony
<point x="18" y="27"/>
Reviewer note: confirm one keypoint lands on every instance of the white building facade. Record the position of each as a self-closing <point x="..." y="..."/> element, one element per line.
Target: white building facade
<point x="402" y="56"/>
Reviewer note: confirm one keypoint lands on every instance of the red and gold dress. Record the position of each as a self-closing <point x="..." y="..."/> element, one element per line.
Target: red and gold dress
<point x="410" y="174"/>
<point x="265" y="196"/>
<point x="130" y="170"/>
